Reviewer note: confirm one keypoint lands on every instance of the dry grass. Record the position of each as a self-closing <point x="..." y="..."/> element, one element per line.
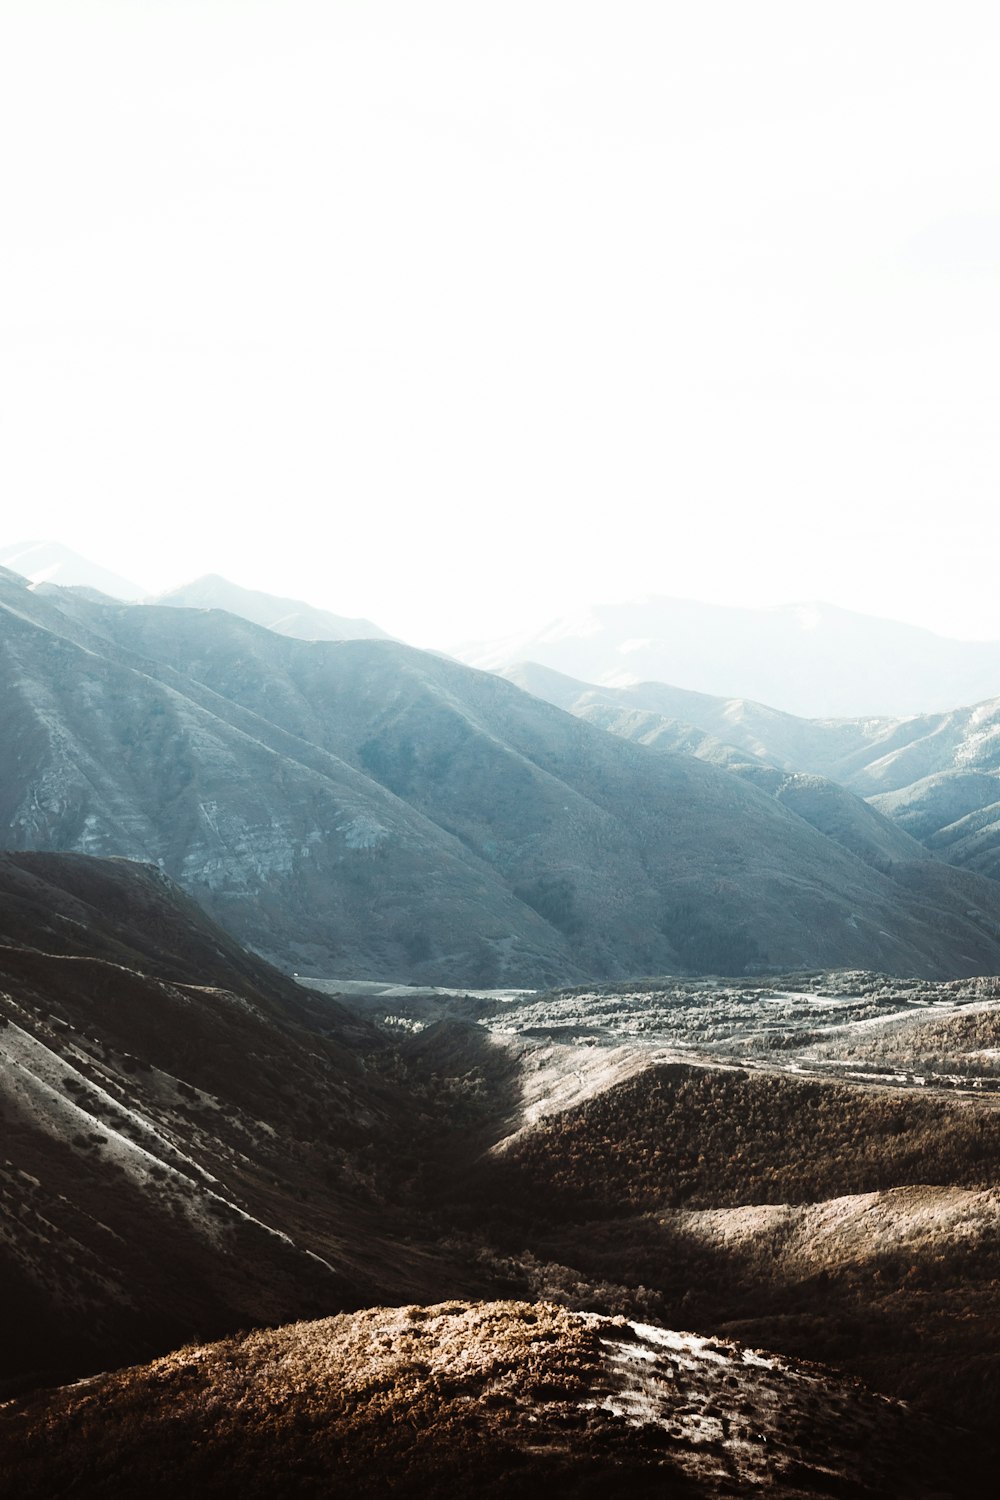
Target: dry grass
<point x="415" y="1402"/>
<point x="698" y="1137"/>
<point x="462" y="1400"/>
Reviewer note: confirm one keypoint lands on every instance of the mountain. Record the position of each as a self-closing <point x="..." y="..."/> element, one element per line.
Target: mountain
<point x="934" y="777"/>
<point x="363" y="809"/>
<point x="286" y="616"/>
<point x="716" y="728"/>
<point x="813" y="660"/>
<point x="763" y="741"/>
<point x="52" y="563"/>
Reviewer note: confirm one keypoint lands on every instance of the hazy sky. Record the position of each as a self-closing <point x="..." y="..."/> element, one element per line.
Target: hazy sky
<point x="449" y="314"/>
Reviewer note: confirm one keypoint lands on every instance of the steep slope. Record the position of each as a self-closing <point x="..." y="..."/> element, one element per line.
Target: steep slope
<point x="286" y="616"/>
<point x="810" y="659"/>
<point x="826" y="805"/>
<point x="288" y="846"/>
<point x="486" y="1399"/>
<point x="361" y="808"/>
<point x="132" y="915"/>
<point x="936" y="777"/>
<point x="191" y="1144"/>
<point x="955" y="813"/>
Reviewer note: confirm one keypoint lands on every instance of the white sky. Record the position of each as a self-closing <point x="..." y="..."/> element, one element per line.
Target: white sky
<point x="455" y="314"/>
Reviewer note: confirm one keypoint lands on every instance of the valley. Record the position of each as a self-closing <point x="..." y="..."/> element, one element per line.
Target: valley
<point x="194" y="1144"/>
<point x="336" y="1108"/>
<point x="499" y="751"/>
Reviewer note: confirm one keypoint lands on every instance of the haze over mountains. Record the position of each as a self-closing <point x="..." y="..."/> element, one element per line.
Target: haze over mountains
<point x="811" y="660"/>
<point x="814" y="660"/>
<point x="286" y="616"/>
<point x="360" y="809"/>
<point x="54" y="563"/>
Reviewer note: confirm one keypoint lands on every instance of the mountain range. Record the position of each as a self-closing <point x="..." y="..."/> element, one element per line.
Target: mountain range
<point x="935" y="776"/>
<point x="256" y="1232"/>
<point x="363" y="809"/>
<point x="813" y="660"/>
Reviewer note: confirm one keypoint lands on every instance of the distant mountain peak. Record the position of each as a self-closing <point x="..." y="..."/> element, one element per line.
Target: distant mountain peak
<point x="292" y="617"/>
<point x="54" y="563"/>
<point x="809" y="658"/>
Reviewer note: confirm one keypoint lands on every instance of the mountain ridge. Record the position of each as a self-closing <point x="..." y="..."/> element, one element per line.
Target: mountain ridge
<point x="51" y="563"/>
<point x="365" y="809"/>
<point x="284" y="616"/>
<point x="936" y="777"/>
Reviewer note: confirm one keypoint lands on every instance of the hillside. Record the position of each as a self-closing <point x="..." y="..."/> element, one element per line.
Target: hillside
<point x="810" y="1165"/>
<point x="362" y="809"/>
<point x="190" y="1143"/>
<point x="195" y="1145"/>
<point x="487" y="1399"/>
<point x="935" y="777"/>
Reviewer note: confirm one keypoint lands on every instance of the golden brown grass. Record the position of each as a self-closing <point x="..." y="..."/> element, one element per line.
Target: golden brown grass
<point x="445" y="1401"/>
<point x="460" y="1400"/>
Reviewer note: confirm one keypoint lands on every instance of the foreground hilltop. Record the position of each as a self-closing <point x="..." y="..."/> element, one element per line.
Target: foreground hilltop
<point x="487" y="1399"/>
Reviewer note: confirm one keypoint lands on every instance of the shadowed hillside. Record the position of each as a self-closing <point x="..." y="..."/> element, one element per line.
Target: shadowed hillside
<point x="191" y="1142"/>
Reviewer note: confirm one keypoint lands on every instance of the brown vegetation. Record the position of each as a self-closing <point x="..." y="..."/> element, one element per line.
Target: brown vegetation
<point x="700" y="1137"/>
<point x="448" y="1401"/>
<point x="462" y="1400"/>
